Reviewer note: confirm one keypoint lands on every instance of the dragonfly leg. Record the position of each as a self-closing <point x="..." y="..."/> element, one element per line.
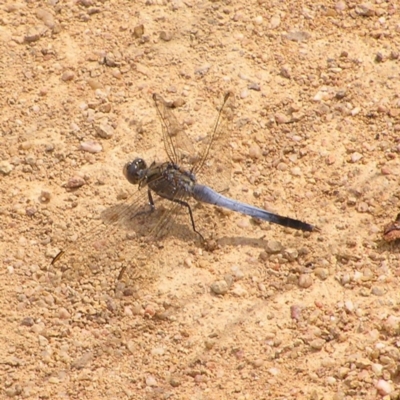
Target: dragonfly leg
<point x="151" y="201"/>
<point x="151" y="204"/>
<point x="187" y="205"/>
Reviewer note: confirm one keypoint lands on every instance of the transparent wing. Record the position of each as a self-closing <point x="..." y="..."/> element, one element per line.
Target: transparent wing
<point x="177" y="143"/>
<point x="215" y="162"/>
<point x="176" y="218"/>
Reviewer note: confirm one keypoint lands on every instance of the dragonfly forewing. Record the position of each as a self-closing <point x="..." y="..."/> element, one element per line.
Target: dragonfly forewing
<point x="215" y="161"/>
<point x="178" y="146"/>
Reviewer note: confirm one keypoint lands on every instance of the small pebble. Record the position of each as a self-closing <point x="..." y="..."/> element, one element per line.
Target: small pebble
<point x="128" y="311"/>
<point x="5" y="167"/>
<point x="340" y="94"/>
<point x="349" y="306"/>
<point x="203" y="69"/>
<point x="295" y="312"/>
<point x="219" y="287"/>
<point x="273" y="247"/>
<point x="131" y="346"/>
<point x="281" y="118"/>
<point x="290" y="254"/>
<point x="237" y="272"/>
<point x="386" y="170"/>
<point x="68" y="76"/>
<point x="305" y="281"/>
<point x="75" y="182"/>
<point x="243" y="223"/>
<point x="33" y="35"/>
<point x="339" y="396"/>
<point x="254" y="86"/>
<point x="295" y="171"/>
<point x="46" y="17"/>
<point x="365" y="10"/>
<point x="330" y="380"/>
<point x="138" y="31"/>
<point x="151" y="381"/>
<point x="392" y="325"/>
<point x="384" y="387"/>
<point x="321" y="273"/>
<point x="82" y="361"/>
<point x="244" y="93"/>
<point x="239" y="291"/>
<point x="45" y="196"/>
<point x="158" y="351"/>
<point x="377" y="291"/>
<point x="109" y="60"/>
<point x="209" y="344"/>
<point x="43" y="341"/>
<point x="274" y="371"/>
<point x="91" y="147"/>
<point x="105" y="131"/>
<point x="258" y="363"/>
<point x="298" y="36"/>
<point x="317" y="344"/>
<point x="63" y="313"/>
<point x="30" y="211"/>
<point x="166" y="36"/>
<point x="258" y="20"/>
<point x="255" y="151"/>
<point x="229" y="279"/>
<point x="377" y="369"/>
<point x="340" y="6"/>
<point x="27" y="321"/>
<point x="362" y="207"/>
<point x="282" y="166"/>
<point x="356" y="157"/>
<point x="150" y="310"/>
<point x="345" y="279"/>
<point x="285" y="72"/>
<point x="94" y="83"/>
<point x="174" y="381"/>
<point x="274" y="22"/>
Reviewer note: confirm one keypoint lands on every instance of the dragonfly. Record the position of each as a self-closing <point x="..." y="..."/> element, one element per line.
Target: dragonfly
<point x="175" y="180"/>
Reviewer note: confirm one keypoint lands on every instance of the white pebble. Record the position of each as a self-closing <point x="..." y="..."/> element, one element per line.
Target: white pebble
<point x="384" y="387"/>
<point x="239" y="291"/>
<point x="158" y="351"/>
<point x="330" y="380"/>
<point x="274" y="371"/>
<point x="151" y="381"/>
<point x="377" y="369"/>
<point x="349" y="305"/>
<point x="91" y="147"/>
<point x="237" y="272"/>
<point x="274" y="22"/>
<point x="244" y="93"/>
<point x="356" y="157"/>
<point x="295" y="171"/>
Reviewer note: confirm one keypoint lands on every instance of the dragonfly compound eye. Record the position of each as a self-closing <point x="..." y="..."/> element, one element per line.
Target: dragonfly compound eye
<point x="133" y="170"/>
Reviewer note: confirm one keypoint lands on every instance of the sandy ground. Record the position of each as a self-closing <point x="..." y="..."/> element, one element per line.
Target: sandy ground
<point x="315" y="136"/>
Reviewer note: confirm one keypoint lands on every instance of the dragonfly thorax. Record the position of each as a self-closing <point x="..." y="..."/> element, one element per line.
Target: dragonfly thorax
<point x="135" y="170"/>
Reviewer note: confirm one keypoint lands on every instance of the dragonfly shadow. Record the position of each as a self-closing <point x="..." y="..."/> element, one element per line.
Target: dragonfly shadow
<point x="242" y="241"/>
<point x="150" y="224"/>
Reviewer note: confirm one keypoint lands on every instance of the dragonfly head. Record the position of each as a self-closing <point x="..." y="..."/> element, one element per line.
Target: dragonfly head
<point x="133" y="170"/>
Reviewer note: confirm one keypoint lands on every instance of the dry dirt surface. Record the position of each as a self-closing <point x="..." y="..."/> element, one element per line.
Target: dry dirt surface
<point x="258" y="312"/>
